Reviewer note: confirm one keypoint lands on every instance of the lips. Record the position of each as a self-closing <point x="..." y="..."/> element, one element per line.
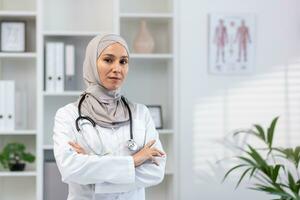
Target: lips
<point x="114" y="78"/>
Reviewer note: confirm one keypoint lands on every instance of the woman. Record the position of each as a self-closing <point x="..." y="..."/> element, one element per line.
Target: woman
<point x="99" y="162"/>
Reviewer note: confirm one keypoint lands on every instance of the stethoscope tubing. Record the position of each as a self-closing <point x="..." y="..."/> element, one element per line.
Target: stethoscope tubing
<point x="132" y="146"/>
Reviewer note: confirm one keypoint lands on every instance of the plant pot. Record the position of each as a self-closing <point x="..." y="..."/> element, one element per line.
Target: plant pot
<point x="17" y="167"/>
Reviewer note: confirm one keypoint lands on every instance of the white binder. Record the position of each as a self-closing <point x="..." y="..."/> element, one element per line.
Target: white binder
<point x="70" y="80"/>
<point x="2" y="105"/>
<point x="60" y="63"/>
<point x="50" y="66"/>
<point x="70" y="60"/>
<point x="9" y="119"/>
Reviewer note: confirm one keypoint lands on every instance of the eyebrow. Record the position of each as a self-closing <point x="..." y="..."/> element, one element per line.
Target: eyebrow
<point x="111" y="55"/>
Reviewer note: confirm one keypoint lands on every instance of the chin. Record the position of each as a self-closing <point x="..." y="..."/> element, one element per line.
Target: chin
<point x="114" y="87"/>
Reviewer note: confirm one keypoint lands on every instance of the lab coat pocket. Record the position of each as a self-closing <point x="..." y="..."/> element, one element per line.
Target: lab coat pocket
<point x="139" y="133"/>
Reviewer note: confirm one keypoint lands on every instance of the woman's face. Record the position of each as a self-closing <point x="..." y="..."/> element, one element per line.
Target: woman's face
<point x="112" y="66"/>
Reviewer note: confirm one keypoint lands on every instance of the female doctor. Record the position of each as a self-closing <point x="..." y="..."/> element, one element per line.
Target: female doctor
<point x="105" y="146"/>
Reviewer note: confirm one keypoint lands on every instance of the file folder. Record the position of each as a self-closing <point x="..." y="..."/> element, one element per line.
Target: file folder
<point x="50" y="66"/>
<point x="59" y="71"/>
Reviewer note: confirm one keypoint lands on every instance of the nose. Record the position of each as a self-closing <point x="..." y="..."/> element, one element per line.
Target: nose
<point x="117" y="67"/>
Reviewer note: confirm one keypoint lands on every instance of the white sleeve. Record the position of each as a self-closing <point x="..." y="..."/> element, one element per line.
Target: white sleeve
<point x="87" y="169"/>
<point x="149" y="174"/>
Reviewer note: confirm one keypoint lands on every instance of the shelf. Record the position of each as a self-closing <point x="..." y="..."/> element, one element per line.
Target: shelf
<point x="71" y="33"/>
<point x="48" y="147"/>
<point x="169" y="172"/>
<point x="66" y="93"/>
<point x="147" y="15"/>
<point x="18" y="14"/>
<point x="165" y="131"/>
<point x="17" y="55"/>
<point x="151" y="56"/>
<point x="17" y="174"/>
<point x="18" y="132"/>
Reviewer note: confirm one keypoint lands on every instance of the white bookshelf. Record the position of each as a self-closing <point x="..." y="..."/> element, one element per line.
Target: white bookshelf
<point x="46" y="21"/>
<point x="147" y="71"/>
<point x="22" y="68"/>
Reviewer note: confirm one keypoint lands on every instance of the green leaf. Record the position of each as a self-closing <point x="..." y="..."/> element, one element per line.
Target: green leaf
<point x="272" y="190"/>
<point x="247" y="160"/>
<point x="15" y="152"/>
<point x="271" y="132"/>
<point x="243" y="175"/>
<point x="257" y="157"/>
<point x="292" y="182"/>
<point x="232" y="169"/>
<point x="261" y="133"/>
<point x="291" y="154"/>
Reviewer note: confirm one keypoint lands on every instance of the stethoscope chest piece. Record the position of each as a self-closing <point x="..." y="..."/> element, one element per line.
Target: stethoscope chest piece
<point x="132" y="146"/>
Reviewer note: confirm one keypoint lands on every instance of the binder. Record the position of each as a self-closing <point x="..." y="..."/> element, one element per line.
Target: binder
<point x="59" y="70"/>
<point x="2" y="105"/>
<point x="50" y="66"/>
<point x="70" y="60"/>
<point x="70" y="82"/>
<point x="21" y="108"/>
<point x="9" y="117"/>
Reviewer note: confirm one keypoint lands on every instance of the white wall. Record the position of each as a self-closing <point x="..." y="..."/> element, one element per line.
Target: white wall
<point x="278" y="42"/>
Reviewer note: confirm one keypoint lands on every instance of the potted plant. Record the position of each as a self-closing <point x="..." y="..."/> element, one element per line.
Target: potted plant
<point x="14" y="157"/>
<point x="274" y="170"/>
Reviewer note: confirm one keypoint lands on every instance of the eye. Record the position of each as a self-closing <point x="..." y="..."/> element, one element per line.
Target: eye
<point x="123" y="61"/>
<point x="108" y="60"/>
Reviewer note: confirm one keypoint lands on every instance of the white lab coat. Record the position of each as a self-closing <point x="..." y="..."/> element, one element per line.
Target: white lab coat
<point x="112" y="176"/>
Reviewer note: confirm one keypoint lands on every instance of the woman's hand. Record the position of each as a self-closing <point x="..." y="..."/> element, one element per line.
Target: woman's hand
<point x="77" y="147"/>
<point x="147" y="153"/>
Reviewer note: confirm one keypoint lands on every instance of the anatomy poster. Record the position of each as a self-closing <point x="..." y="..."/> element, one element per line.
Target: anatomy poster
<point x="231" y="44"/>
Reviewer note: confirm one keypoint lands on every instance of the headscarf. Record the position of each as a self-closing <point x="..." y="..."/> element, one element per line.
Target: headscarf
<point x="104" y="106"/>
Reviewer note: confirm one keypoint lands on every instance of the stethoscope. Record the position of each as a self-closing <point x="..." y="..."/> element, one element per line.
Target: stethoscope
<point x="131" y="144"/>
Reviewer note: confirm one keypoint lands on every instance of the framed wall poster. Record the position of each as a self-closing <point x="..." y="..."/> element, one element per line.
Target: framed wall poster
<point x="231" y="43"/>
<point x="13" y="36"/>
<point x="156" y="114"/>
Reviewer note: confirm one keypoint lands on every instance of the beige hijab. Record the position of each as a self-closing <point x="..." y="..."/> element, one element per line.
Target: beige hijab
<point x="105" y="107"/>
